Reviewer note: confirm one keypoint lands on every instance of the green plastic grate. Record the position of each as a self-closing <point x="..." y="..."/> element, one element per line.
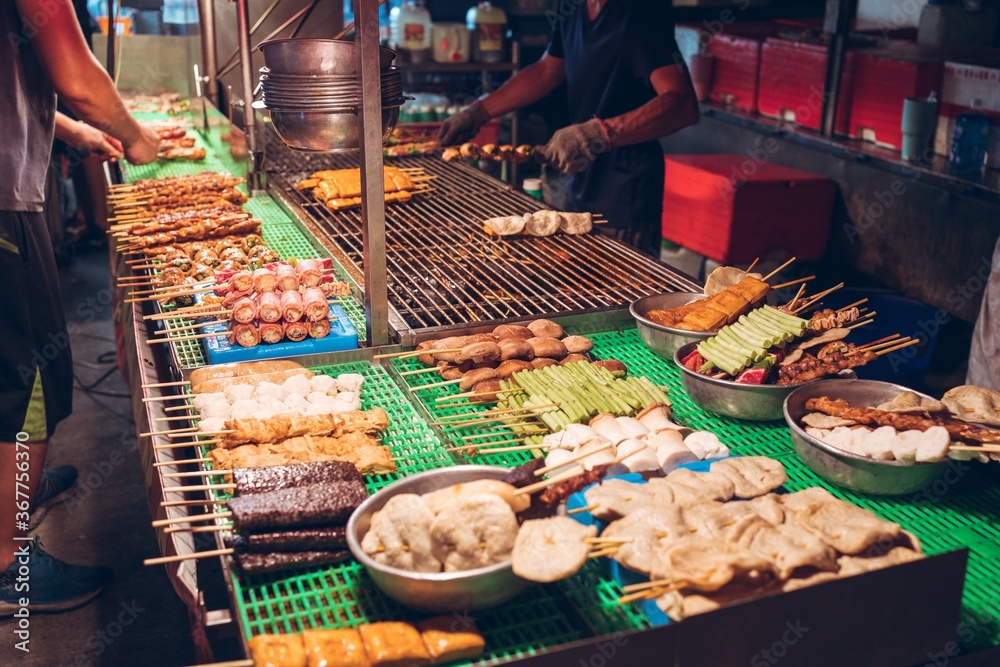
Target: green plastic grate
<point x="960" y="510"/>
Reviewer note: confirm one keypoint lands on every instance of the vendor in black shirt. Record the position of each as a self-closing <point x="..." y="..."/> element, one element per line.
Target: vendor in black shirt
<point x="619" y="60"/>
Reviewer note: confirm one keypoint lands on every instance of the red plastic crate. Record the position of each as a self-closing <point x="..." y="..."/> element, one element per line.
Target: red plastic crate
<point x="737" y="62"/>
<point x="733" y="208"/>
<point x="792" y="80"/>
<point x="883" y="79"/>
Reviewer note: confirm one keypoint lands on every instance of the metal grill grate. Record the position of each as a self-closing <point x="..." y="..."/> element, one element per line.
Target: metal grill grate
<point x="444" y="271"/>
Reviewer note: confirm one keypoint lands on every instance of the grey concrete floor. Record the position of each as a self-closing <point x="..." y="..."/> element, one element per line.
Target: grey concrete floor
<point x="138" y="620"/>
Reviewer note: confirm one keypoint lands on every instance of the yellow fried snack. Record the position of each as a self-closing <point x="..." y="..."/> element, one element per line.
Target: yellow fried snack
<point x="450" y="638"/>
<point x="394" y="644"/>
<point x="277" y="651"/>
<point x="335" y="648"/>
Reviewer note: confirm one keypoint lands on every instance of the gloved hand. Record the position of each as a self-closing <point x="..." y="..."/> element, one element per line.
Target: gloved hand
<point x="574" y="148"/>
<point x="464" y="125"/>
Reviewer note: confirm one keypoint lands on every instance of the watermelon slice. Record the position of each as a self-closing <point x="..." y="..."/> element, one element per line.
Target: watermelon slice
<point x="693" y="361"/>
<point x="752" y="376"/>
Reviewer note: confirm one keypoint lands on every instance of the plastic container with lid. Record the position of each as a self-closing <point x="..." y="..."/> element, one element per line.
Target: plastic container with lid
<point x="410" y="27"/>
<point x="487" y="24"/>
<point x="533" y="187"/>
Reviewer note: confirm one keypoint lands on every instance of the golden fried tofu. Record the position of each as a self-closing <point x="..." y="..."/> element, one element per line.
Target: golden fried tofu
<point x="277" y="651"/>
<point x="335" y="648"/>
<point x="704" y="319"/>
<point x="451" y="638"/>
<point x="394" y="644"/>
<point x="730" y="303"/>
<point x="751" y="289"/>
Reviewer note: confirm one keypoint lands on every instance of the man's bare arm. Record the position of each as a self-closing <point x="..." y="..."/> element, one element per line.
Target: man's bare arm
<point x="529" y="85"/>
<point x="674" y="108"/>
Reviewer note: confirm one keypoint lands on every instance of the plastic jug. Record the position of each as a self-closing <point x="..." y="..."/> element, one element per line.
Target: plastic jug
<point x="410" y="26"/>
<point x="488" y="24"/>
<point x="450" y="42"/>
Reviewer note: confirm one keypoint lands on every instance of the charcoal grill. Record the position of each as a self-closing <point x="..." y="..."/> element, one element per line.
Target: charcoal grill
<point x="445" y="273"/>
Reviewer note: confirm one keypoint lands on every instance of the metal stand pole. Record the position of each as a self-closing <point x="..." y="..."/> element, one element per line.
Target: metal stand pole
<point x="372" y="180"/>
<point x="255" y="171"/>
<point x="838" y="25"/>
<point x="206" y="15"/>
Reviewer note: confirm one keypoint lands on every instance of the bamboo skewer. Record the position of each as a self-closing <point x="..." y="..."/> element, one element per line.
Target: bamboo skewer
<point x="197" y="529"/>
<point x="189" y="503"/>
<point x="444" y="383"/>
<point x="182" y="434"/>
<point x="972" y="448"/>
<point x="477" y="445"/>
<point x="859" y="324"/>
<point x="196" y="473"/>
<point x="153" y="434"/>
<point x="191" y="443"/>
<point x="179" y="462"/>
<point x="601" y="553"/>
<point x="552" y="481"/>
<point x="852" y="305"/>
<point x="802" y="288"/>
<point x="793" y="282"/>
<point x="187" y="314"/>
<point x="151" y="385"/>
<point x="813" y="300"/>
<point x="188" y="327"/>
<point x="182" y="557"/>
<point x="578" y="456"/>
<point x="192" y="337"/>
<point x="176" y="418"/>
<point x="175" y="408"/>
<point x="752" y="264"/>
<point x="490" y="419"/>
<point x="420" y="371"/>
<point x="898" y="348"/>
<point x="204" y="487"/>
<point x="414" y="353"/>
<point x="778" y="270"/>
<point x="187" y="519"/>
<point x="473" y="394"/>
<point x="585" y="508"/>
<point x="873" y="347"/>
<point x="486" y="413"/>
<point x="504" y="450"/>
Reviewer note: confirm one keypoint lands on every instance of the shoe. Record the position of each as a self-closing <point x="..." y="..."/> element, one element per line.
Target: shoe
<point x="54" y="585"/>
<point x="51" y="487"/>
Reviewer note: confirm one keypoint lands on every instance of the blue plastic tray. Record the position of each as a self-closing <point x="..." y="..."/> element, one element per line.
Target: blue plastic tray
<point x="343" y="336"/>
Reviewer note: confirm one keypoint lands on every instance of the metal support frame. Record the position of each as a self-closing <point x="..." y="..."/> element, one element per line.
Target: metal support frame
<point x="838" y="25"/>
<point x="209" y="83"/>
<point x="372" y="183"/>
<point x="255" y="169"/>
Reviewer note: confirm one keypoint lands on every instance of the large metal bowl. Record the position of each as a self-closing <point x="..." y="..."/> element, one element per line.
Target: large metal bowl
<point x="443" y="592"/>
<point x="662" y="340"/>
<point x="331" y="131"/>
<point x="316" y="56"/>
<point x="858" y="473"/>
<point x="753" y="402"/>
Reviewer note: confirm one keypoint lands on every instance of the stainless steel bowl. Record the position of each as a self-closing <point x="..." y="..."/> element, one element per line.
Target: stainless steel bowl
<point x="328" y="131"/>
<point x="443" y="592"/>
<point x="316" y="56"/>
<point x="858" y="473"/>
<point x="662" y="340"/>
<point x="753" y="402"/>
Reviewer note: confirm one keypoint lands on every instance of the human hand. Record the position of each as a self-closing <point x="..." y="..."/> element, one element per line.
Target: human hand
<point x="87" y="139"/>
<point x="573" y="149"/>
<point x="463" y="126"/>
<point x="145" y="147"/>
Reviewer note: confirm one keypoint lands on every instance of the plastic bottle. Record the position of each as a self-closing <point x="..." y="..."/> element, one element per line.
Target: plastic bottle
<point x="487" y="24"/>
<point x="410" y="26"/>
<point x="971" y="139"/>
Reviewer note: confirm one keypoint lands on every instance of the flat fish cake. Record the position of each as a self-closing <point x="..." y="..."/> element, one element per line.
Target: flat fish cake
<point x="400" y="535"/>
<point x="548" y="550"/>
<point x="476" y="531"/>
<point x="616" y="498"/>
<point x="752" y="476"/>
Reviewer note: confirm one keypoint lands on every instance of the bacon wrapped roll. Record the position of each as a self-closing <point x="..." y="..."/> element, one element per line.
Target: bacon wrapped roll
<point x="319" y="329"/>
<point x="315" y="304"/>
<point x="287" y="280"/>
<point x="264" y="280"/>
<point x="271" y="332"/>
<point x="244" y="310"/>
<point x="269" y="307"/>
<point x="310" y="272"/>
<point x="245" y="335"/>
<point x="296" y="331"/>
<point x="291" y="306"/>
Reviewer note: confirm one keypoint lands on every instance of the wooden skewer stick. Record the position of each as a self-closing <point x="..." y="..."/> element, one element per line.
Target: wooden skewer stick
<point x="648" y="594"/>
<point x="414" y="353"/>
<point x="646" y="585"/>
<point x="852" y="305"/>
<point x="179" y="462"/>
<point x="793" y="282"/>
<point x="778" y="270"/>
<point x="182" y="557"/>
<point x="197" y="529"/>
<point x="504" y="450"/>
<point x="871" y="347"/>
<point x="473" y="394"/>
<point x="813" y="300"/>
<point x="176" y="418"/>
<point x="881" y="340"/>
<point x="420" y="371"/>
<point x="979" y="448"/>
<point x="152" y="434"/>
<point x="607" y="541"/>
<point x="551" y="481"/>
<point x="189" y="503"/>
<point x="486" y="413"/>
<point x="169" y="397"/>
<point x="880" y="353"/>
<point x="752" y="264"/>
<point x="478" y="436"/>
<point x="477" y="445"/>
<point x="204" y="487"/>
<point x="187" y="519"/>
<point x="187" y="314"/>
<point x="859" y="324"/>
<point x="578" y="456"/>
<point x="175" y="408"/>
<point x="601" y="553"/>
<point x="191" y="443"/>
<point x="802" y="288"/>
<point x="182" y="434"/>
<point x="444" y="383"/>
<point x="188" y="327"/>
<point x="196" y="473"/>
<point x="180" y="383"/>
<point x="488" y="420"/>
<point x="585" y="508"/>
<point x="192" y="337"/>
